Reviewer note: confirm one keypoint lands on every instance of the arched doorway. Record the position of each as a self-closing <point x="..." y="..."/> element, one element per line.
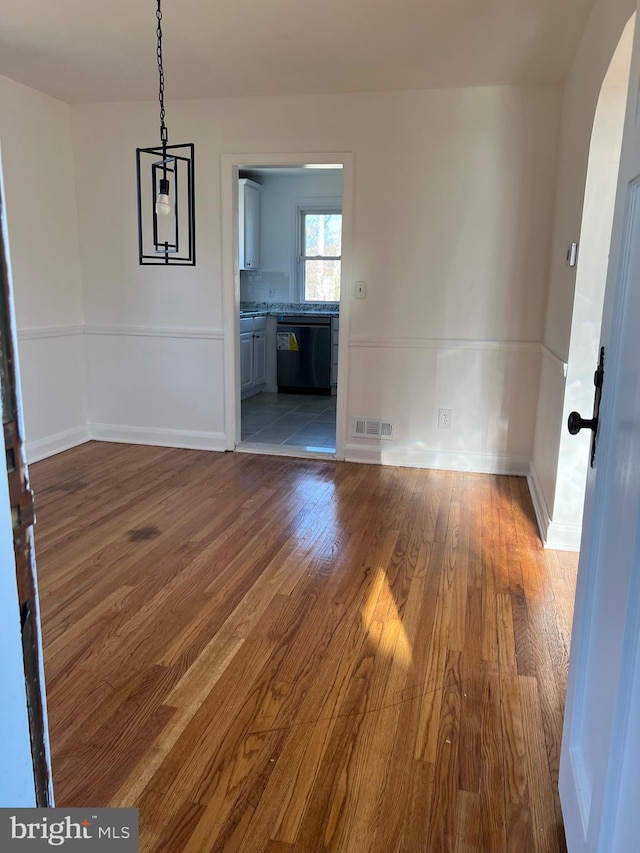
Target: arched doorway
<point x="565" y="528"/>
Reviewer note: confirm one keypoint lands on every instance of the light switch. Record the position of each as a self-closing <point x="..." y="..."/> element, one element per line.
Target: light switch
<point x="360" y="290"/>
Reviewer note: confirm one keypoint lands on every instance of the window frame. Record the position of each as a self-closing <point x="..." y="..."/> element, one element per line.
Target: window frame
<point x="327" y="206"/>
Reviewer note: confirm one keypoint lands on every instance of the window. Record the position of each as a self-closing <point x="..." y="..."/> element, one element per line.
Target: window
<point x="320" y="254"/>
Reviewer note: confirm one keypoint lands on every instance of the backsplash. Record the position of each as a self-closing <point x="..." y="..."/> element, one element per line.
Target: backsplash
<point x="261" y="290"/>
<point x="264" y="286"/>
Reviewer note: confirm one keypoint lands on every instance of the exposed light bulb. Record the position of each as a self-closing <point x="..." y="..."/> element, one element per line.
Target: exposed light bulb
<point x="163" y="208"/>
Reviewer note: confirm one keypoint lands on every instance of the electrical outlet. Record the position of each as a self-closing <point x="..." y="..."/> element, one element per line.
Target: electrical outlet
<point x="445" y="417"/>
<point x="271" y="292"/>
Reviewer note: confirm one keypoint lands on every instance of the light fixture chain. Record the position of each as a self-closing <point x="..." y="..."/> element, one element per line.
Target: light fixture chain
<point x="163" y="128"/>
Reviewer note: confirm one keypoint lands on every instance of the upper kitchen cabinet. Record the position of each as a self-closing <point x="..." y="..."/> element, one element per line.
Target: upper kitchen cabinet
<point x="249" y="224"/>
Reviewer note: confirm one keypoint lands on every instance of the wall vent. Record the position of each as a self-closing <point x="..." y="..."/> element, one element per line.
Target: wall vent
<point x="371" y="428"/>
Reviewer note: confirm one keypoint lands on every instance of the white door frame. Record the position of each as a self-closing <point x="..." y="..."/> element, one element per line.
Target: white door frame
<point x="230" y="164"/>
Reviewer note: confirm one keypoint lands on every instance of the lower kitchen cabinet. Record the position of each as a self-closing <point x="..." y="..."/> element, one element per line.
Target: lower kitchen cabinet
<point x="246" y="361"/>
<point x="253" y="355"/>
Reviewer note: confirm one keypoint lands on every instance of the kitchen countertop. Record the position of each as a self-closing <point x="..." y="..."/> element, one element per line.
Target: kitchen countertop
<point x="261" y="309"/>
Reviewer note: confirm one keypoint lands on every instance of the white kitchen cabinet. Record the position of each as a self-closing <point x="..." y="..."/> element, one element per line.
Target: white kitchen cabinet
<point x="253" y="355"/>
<point x="248" y="224"/>
<point x="259" y="358"/>
<point x="246" y="361"/>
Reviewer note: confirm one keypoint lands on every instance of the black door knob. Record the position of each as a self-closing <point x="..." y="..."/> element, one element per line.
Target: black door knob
<point x="576" y="422"/>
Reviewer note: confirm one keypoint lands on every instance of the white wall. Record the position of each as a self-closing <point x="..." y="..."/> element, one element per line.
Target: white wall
<point x="452" y="210"/>
<point x="580" y="98"/>
<point x="275" y="281"/>
<point x="37" y="156"/>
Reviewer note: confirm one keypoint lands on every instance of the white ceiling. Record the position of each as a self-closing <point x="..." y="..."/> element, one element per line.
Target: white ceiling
<point x="84" y="51"/>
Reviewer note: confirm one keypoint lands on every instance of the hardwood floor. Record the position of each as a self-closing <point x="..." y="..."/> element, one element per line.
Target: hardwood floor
<point x="271" y="654"/>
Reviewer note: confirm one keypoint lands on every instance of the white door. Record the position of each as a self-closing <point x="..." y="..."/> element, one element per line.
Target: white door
<point x="25" y="766"/>
<point x="599" y="773"/>
<point x="17" y="783"/>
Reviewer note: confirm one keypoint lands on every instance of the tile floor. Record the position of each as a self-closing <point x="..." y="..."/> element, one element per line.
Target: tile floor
<point x="305" y="421"/>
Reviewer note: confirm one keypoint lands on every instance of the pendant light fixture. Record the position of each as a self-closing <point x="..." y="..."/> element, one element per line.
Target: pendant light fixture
<point x="166" y="198"/>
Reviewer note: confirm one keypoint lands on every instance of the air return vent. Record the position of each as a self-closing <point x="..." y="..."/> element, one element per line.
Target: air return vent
<point x="371" y="428"/>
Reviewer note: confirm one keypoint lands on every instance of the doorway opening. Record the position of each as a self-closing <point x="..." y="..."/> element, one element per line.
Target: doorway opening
<point x="287" y="244"/>
<point x="593" y="258"/>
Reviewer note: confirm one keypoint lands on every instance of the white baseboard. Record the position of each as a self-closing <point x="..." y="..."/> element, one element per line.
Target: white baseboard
<point x="52" y="444"/>
<point x="563" y="537"/>
<point x="447" y="460"/>
<point x="555" y="535"/>
<point x="188" y="439"/>
<point x="539" y="503"/>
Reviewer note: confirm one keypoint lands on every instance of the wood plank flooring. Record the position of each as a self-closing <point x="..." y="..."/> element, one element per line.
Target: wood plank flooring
<point x="271" y="654"/>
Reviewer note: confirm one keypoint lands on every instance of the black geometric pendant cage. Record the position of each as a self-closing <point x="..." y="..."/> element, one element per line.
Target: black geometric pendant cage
<point x="166" y="192"/>
<point x="166" y="205"/>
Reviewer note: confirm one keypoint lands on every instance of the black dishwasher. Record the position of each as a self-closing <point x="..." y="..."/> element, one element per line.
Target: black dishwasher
<point x="304" y="354"/>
